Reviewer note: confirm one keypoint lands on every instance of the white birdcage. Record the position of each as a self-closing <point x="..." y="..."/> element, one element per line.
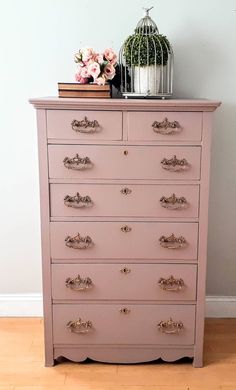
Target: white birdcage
<point x="146" y="62"/>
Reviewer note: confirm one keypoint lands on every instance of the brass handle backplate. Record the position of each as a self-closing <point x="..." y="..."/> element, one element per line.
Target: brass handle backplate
<point x="85" y="126"/>
<point x="79" y="326"/>
<point x="173" y="202"/>
<point x="171" y="284"/>
<point x="79" y="242"/>
<point x="172" y="242"/>
<point x="79" y="284"/>
<point x="77" y="201"/>
<point x="77" y="163"/>
<point x="170" y="326"/>
<point x="174" y="164"/>
<point x="166" y="127"/>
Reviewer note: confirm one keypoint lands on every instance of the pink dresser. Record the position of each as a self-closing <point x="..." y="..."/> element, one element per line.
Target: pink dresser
<point x="124" y="210"/>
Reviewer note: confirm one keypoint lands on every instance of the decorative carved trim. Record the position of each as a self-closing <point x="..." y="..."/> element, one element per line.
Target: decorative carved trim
<point x="171" y="284"/>
<point x="174" y="164"/>
<point x="77" y="201"/>
<point x="78" y="283"/>
<point x="173" y="242"/>
<point x="85" y="126"/>
<point x="79" y="326"/>
<point x="79" y="242"/>
<point x="166" y="127"/>
<point x="170" y="326"/>
<point x="173" y="202"/>
<point x="119" y="354"/>
<point x="77" y="163"/>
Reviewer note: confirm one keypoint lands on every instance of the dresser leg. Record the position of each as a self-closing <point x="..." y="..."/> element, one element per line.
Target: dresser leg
<point x="197" y="362"/>
<point x="49" y="362"/>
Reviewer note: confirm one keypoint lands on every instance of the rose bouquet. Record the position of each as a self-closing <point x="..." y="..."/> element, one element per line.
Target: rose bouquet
<point x="95" y="67"/>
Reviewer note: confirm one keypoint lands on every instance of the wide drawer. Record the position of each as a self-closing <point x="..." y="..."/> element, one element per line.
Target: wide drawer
<point x="126" y="199"/>
<point x="166" y="282"/>
<point x="123" y="324"/>
<point x="84" y="125"/>
<point x="124" y="162"/>
<point x="165" y="126"/>
<point x="112" y="240"/>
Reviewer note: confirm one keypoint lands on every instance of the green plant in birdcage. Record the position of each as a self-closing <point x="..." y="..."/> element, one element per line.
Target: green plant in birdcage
<point x="143" y="50"/>
<point x="147" y="56"/>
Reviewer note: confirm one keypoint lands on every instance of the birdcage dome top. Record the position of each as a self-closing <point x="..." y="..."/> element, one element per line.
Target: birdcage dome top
<point x="146" y="26"/>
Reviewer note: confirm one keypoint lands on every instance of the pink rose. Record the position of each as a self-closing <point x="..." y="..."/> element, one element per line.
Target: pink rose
<point x="110" y="55"/>
<point x="109" y="71"/>
<point x="99" y="58"/>
<point x="87" y="63"/>
<point x="80" y="79"/>
<point x="100" y="80"/>
<point x="87" y="54"/>
<point x="94" y="70"/>
<point x="84" y="72"/>
<point x="114" y="60"/>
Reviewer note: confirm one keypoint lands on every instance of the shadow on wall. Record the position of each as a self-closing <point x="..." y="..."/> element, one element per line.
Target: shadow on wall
<point x="222" y="208"/>
<point x="203" y="66"/>
<point x="199" y="64"/>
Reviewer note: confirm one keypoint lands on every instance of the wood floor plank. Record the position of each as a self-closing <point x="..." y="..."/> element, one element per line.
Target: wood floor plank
<point x="22" y="364"/>
<point x="7" y="388"/>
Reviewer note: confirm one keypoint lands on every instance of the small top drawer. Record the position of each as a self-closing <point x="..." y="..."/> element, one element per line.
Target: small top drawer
<point x="84" y="125"/>
<point x="165" y="126"/>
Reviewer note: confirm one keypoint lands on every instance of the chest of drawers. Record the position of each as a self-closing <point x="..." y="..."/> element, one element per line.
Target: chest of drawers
<point x="124" y="212"/>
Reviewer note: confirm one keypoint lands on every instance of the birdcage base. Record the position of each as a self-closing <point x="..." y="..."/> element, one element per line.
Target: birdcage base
<point x="133" y="95"/>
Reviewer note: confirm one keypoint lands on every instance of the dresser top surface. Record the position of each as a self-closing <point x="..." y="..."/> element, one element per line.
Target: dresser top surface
<point x="125" y="104"/>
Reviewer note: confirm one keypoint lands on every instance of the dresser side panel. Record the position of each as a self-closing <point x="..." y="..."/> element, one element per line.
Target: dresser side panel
<point x="45" y="235"/>
<point x="203" y="232"/>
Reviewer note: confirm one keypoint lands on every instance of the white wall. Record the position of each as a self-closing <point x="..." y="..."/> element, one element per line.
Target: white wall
<point x="38" y="39"/>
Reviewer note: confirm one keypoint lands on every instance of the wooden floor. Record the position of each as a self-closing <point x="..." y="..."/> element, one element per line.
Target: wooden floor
<point x="22" y="364"/>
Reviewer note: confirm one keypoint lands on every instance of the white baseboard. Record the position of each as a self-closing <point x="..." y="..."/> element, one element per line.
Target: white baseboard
<point x="31" y="305"/>
<point x="21" y="305"/>
<point x="221" y="306"/>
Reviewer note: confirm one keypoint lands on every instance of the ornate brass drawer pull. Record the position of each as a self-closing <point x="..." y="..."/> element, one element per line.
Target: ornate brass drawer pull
<point x="79" y="326"/>
<point x="166" y="127"/>
<point x="175" y="165"/>
<point x="126" y="191"/>
<point x="126" y="229"/>
<point x="170" y="326"/>
<point x="85" y="126"/>
<point x="77" y="163"/>
<point x="171" y="284"/>
<point x="172" y="242"/>
<point x="77" y="201"/>
<point x="125" y="270"/>
<point x="173" y="202"/>
<point x="79" y="284"/>
<point x="79" y="242"/>
<point x="125" y="310"/>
